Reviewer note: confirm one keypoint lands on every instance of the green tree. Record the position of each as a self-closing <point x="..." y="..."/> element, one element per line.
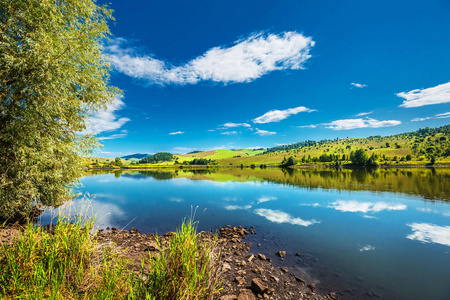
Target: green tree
<point x="53" y="75"/>
<point x="359" y="157"/>
<point x="118" y="162"/>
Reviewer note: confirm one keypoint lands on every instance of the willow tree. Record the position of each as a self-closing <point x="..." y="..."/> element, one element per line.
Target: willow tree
<point x="53" y="75"/>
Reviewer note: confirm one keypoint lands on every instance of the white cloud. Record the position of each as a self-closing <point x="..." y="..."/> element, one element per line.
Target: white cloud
<point x="347" y="124"/>
<point x="245" y="61"/>
<point x="229" y="132"/>
<point x="430" y="233"/>
<point x="265" y="199"/>
<point x="310" y="204"/>
<point x="420" y="97"/>
<point x="236" y="207"/>
<point x="364" y="114"/>
<point x="420" y="119"/>
<point x="114" y="136"/>
<point x="106" y="120"/>
<point x="364" y="207"/>
<point x="307" y="126"/>
<point x="367" y="248"/>
<point x="277" y="216"/>
<point x="264" y="132"/>
<point x="176" y="132"/>
<point x="438" y="116"/>
<point x="232" y="125"/>
<point x="358" y="85"/>
<point x="443" y="116"/>
<point x="278" y="115"/>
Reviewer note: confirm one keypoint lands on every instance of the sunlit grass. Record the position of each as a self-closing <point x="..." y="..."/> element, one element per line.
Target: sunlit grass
<point x="186" y="268"/>
<point x="63" y="263"/>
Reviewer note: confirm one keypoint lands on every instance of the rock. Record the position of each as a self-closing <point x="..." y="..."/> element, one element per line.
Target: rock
<point x="298" y="254"/>
<point x="169" y="234"/>
<point x="276" y="279"/>
<point x="246" y="295"/>
<point x="114" y="229"/>
<point x="300" y="280"/>
<point x="259" y="245"/>
<point x="251" y="258"/>
<point x="258" y="270"/>
<point x="240" y="280"/>
<point x="134" y="230"/>
<point x="281" y="254"/>
<point x="226" y="267"/>
<point x="312" y="287"/>
<point x="259" y="286"/>
<point x="284" y="270"/>
<point x="261" y="256"/>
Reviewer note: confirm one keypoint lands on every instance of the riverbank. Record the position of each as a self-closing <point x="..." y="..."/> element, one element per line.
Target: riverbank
<point x="244" y="275"/>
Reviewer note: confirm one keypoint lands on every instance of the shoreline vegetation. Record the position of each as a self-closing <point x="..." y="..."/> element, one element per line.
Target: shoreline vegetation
<point x="427" y="147"/>
<point x="73" y="261"/>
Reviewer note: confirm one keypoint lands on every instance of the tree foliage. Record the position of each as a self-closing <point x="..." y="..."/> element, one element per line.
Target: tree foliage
<point x="53" y="75"/>
<point x="158" y="157"/>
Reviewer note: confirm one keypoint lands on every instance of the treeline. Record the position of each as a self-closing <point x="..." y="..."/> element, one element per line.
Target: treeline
<point x="199" y="161"/>
<point x="158" y="157"/>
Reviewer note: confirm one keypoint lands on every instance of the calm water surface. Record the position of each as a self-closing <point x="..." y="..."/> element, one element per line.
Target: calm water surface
<point x="364" y="234"/>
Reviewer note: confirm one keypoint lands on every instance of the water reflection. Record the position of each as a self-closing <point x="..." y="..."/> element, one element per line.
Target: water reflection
<point x="279" y="217"/>
<point x="430" y="183"/>
<point x="430" y="233"/>
<point x="364" y="207"/>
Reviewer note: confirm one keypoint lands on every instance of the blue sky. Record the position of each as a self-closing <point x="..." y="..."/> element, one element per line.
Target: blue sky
<point x="201" y="75"/>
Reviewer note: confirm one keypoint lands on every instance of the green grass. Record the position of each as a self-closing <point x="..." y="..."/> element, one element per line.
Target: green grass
<point x="68" y="263"/>
<point x="186" y="269"/>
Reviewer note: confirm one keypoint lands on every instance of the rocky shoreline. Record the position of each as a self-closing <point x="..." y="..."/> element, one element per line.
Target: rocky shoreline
<point x="244" y="276"/>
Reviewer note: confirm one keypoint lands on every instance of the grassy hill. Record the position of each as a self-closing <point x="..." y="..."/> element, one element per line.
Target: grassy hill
<point x="411" y="148"/>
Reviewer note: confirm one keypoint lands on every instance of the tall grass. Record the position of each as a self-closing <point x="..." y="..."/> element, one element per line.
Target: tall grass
<point x="186" y="268"/>
<point x="64" y="263"/>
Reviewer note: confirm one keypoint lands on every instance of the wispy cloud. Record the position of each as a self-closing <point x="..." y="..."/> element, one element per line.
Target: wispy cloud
<point x="348" y="124"/>
<point x="229" y="132"/>
<point x="443" y="116"/>
<point x="420" y="97"/>
<point x="264" y="132"/>
<point x="358" y="85"/>
<point x="121" y="135"/>
<point x="363" y="114"/>
<point x="307" y="126"/>
<point x="430" y="233"/>
<point x="364" y="207"/>
<point x="278" y="216"/>
<point x="438" y="116"/>
<point x="106" y="120"/>
<point x="245" y="61"/>
<point x="176" y="133"/>
<point x="233" y="125"/>
<point x="278" y="115"/>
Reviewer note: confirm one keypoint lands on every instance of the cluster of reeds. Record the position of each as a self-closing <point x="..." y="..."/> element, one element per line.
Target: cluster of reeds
<point x="186" y="268"/>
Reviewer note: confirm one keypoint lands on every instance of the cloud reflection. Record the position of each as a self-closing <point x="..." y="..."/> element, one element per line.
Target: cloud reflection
<point x="367" y="248"/>
<point x="364" y="207"/>
<point x="265" y="199"/>
<point x="277" y="216"/>
<point x="236" y="207"/>
<point x="430" y="233"/>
